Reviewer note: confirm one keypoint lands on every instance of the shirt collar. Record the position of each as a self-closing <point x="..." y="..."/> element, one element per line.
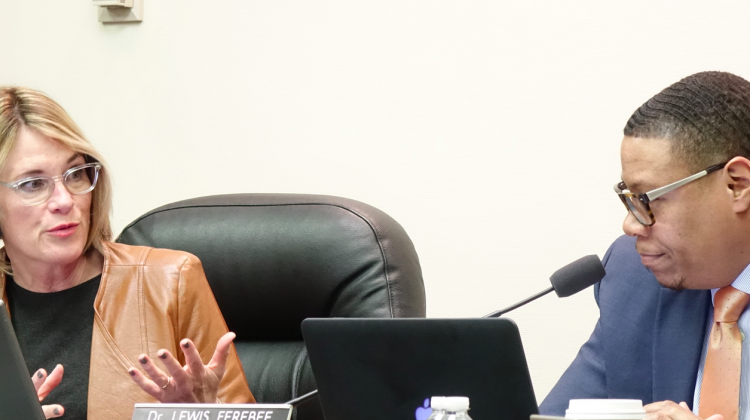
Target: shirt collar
<point x="741" y="283"/>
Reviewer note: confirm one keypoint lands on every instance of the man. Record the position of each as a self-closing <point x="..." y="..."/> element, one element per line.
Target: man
<point x="686" y="184"/>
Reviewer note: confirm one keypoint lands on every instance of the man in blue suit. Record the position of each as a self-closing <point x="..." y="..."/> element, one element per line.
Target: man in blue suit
<point x="686" y="184"/>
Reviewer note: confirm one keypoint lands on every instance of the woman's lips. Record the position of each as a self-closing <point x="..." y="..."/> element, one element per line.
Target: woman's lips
<point x="62" y="231"/>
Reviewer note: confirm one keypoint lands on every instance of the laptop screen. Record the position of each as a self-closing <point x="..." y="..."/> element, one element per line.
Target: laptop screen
<point x="389" y="368"/>
<point x="18" y="399"/>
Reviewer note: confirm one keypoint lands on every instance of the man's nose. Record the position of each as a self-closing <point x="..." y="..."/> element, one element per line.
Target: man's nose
<point x="632" y="227"/>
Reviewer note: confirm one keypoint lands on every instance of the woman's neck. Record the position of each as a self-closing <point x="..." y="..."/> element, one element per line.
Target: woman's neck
<point x="47" y="278"/>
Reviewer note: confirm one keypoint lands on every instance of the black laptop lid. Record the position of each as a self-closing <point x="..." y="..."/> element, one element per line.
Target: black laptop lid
<point x="386" y="368"/>
<point x="18" y="399"/>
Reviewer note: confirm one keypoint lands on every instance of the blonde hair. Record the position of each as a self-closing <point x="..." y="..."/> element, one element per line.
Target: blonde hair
<point x="23" y="107"/>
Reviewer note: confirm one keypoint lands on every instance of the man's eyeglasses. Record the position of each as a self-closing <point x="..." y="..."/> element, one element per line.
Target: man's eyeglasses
<point x="36" y="190"/>
<point x="638" y="204"/>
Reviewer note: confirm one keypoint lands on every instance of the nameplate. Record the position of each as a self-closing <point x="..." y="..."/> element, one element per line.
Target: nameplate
<point x="212" y="412"/>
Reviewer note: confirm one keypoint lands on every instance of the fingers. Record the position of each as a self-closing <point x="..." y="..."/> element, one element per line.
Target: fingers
<point x="164" y="387"/>
<point x="218" y="362"/>
<point x="716" y="417"/>
<point x="52" y="411"/>
<point x="56" y="375"/>
<point x="659" y="405"/>
<point x="654" y="407"/>
<point x="50" y="382"/>
<point x="173" y="366"/>
<point x="38" y="378"/>
<point x="157" y="375"/>
<point x="192" y="359"/>
<point x="193" y="382"/>
<point x="43" y="384"/>
<point x="658" y="415"/>
<point x="146" y="384"/>
<point x="669" y="410"/>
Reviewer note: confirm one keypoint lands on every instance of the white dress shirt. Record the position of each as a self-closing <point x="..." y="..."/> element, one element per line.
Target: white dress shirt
<point x="741" y="283"/>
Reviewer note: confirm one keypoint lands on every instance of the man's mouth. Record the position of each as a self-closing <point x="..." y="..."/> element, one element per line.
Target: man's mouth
<point x="649" y="259"/>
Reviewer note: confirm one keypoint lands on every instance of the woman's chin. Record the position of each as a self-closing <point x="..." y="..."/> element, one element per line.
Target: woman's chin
<point x="62" y="254"/>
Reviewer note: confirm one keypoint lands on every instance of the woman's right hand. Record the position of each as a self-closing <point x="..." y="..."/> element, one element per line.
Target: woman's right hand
<point x="44" y="384"/>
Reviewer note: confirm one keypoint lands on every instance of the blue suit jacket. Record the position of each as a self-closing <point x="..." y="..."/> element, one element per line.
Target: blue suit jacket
<point x="647" y="343"/>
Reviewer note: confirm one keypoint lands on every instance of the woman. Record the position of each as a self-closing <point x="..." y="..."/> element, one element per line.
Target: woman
<point x="100" y="312"/>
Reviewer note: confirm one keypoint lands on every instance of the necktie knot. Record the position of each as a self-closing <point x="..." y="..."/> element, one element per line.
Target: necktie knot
<point x="720" y="388"/>
<point x="729" y="303"/>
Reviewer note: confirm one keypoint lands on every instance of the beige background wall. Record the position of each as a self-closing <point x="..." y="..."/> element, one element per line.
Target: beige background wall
<point x="489" y="129"/>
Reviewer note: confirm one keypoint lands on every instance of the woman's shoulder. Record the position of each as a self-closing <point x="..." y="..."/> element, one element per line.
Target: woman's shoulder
<point x="151" y="267"/>
<point x="116" y="254"/>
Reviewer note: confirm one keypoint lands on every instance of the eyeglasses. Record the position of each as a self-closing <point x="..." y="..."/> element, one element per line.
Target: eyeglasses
<point x="638" y="204"/>
<point x="36" y="190"/>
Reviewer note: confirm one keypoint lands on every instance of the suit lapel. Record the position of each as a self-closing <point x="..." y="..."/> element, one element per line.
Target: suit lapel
<point x="679" y="330"/>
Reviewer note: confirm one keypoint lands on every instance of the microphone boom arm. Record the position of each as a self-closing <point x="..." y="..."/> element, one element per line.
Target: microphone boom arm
<point x="497" y="314"/>
<point x="299" y="400"/>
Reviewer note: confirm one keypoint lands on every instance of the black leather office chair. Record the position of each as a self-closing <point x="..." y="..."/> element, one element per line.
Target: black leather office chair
<point x="275" y="259"/>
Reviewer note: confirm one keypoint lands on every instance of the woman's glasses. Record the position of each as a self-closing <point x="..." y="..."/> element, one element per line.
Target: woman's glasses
<point x="36" y="190"/>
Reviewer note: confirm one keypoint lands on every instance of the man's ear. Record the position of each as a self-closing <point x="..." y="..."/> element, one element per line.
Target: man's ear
<point x="738" y="171"/>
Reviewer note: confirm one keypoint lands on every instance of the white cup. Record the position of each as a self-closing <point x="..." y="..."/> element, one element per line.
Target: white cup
<point x="605" y="410"/>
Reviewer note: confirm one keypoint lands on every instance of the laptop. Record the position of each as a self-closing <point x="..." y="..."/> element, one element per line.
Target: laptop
<point x="375" y="369"/>
<point x="18" y="399"/>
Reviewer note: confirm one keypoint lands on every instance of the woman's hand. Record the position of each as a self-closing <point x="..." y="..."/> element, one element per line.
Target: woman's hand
<point x="192" y="383"/>
<point x="44" y="384"/>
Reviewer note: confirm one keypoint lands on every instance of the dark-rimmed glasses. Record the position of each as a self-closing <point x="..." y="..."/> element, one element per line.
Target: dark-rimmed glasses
<point x="638" y="204"/>
<point x="36" y="190"/>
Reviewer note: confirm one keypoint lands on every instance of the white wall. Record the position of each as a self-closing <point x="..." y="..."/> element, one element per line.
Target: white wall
<point x="489" y="129"/>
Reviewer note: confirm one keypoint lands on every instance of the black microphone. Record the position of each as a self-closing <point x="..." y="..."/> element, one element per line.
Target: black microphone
<point x="566" y="281"/>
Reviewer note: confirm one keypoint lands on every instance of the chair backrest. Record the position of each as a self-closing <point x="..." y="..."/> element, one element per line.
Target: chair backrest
<point x="273" y="260"/>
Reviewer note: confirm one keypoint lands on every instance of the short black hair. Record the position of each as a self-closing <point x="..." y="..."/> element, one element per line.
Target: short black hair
<point x="706" y="116"/>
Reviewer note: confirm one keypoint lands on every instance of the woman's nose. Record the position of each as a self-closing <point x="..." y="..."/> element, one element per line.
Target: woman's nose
<point x="61" y="199"/>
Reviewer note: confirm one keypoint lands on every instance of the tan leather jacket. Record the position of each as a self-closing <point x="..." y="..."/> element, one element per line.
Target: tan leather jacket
<point x="150" y="299"/>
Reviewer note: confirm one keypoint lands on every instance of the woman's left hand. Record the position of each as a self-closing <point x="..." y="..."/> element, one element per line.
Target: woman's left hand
<point x="192" y="383"/>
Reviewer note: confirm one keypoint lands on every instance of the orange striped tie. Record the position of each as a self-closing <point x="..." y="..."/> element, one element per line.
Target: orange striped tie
<point x="720" y="389"/>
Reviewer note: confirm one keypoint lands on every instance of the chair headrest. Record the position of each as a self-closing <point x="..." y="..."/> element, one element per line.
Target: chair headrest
<point x="274" y="259"/>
